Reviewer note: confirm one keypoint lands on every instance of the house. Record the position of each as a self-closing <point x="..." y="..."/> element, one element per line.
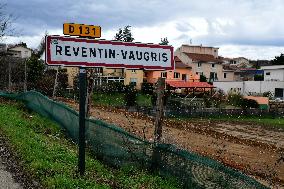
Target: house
<point x="273" y="72"/>
<point x="259" y="63"/>
<point x="203" y="61"/>
<point x="228" y="74"/>
<point x="246" y="74"/>
<point x="3" y="48"/>
<point x="240" y="62"/>
<point x="20" y="51"/>
<point x="125" y="76"/>
<point x="239" y="70"/>
<point x="182" y="72"/>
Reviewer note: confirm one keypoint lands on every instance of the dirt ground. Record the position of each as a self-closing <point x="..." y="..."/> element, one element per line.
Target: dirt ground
<point x="256" y="150"/>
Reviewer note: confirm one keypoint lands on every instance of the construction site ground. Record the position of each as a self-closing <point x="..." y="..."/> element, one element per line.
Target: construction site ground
<point x="256" y="150"/>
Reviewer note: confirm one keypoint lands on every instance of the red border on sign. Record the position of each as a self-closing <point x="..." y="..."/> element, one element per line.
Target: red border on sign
<point x="102" y="64"/>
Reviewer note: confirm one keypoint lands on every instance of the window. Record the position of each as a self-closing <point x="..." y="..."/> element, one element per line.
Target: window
<point x="199" y="64"/>
<point x="225" y="75"/>
<point x="213" y="65"/>
<point x="133" y="71"/>
<point x="176" y="75"/>
<point x="213" y="76"/>
<point x="267" y="73"/>
<point x="196" y="73"/>
<point x="133" y="81"/>
<point x="164" y="74"/>
<point x="184" y="77"/>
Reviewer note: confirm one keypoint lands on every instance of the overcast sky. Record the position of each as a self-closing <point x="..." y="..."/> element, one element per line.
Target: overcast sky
<point x="249" y="28"/>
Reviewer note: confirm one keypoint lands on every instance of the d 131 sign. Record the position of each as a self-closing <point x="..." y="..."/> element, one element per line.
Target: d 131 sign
<point x="82" y="30"/>
<point x="70" y="51"/>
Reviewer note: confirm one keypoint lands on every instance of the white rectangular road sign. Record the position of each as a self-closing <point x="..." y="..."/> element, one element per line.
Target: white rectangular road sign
<point x="70" y="51"/>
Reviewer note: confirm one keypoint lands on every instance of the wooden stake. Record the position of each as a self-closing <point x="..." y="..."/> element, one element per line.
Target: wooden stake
<point x="156" y="156"/>
<point x="159" y="109"/>
<point x="9" y="78"/>
<point x="55" y="83"/>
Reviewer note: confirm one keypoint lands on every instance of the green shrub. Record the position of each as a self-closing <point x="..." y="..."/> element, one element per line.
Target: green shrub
<point x="203" y="78"/>
<point x="130" y="97"/>
<point x="147" y="88"/>
<point x="249" y="103"/>
<point x="258" y="77"/>
<point x="235" y="99"/>
<point x="268" y="94"/>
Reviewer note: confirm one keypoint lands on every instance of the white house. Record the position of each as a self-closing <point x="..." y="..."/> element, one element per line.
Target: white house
<point x="20" y="51"/>
<point x="273" y="73"/>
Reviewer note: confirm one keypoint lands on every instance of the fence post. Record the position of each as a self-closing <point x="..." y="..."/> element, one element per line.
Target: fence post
<point x="9" y="77"/>
<point x="55" y="83"/>
<point x="159" y="109"/>
<point x="25" y="80"/>
<point x="158" y="121"/>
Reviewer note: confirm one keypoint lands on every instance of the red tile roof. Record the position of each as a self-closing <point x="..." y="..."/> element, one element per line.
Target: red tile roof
<point x="184" y="84"/>
<point x="180" y="64"/>
<point x="203" y="57"/>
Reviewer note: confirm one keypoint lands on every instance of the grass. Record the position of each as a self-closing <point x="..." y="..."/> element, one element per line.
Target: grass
<point x="49" y="156"/>
<point x="114" y="99"/>
<point x="265" y="120"/>
<point x="117" y="99"/>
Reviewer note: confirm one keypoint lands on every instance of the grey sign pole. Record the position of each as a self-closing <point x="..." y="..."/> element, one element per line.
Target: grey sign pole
<point x="82" y="119"/>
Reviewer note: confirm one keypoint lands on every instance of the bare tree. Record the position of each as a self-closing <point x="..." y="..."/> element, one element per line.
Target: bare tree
<point x="5" y="22"/>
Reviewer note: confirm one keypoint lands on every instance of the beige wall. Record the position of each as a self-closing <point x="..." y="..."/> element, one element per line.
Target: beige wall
<point x="230" y="76"/>
<point x="206" y="68"/>
<point x="199" y="50"/>
<point x="138" y="74"/>
<point x="72" y="72"/>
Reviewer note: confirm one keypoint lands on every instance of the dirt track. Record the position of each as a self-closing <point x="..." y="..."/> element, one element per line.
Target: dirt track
<point x="254" y="149"/>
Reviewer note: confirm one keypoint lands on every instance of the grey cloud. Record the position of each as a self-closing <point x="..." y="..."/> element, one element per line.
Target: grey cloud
<point x="256" y="22"/>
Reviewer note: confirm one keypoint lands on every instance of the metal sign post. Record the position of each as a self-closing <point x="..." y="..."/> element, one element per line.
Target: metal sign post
<point x="82" y="118"/>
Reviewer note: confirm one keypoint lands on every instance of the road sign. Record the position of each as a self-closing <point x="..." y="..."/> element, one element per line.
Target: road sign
<point x="81" y="30"/>
<point x="70" y="51"/>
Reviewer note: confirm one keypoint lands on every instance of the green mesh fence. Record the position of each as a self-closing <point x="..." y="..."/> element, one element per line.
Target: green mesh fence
<point x="118" y="148"/>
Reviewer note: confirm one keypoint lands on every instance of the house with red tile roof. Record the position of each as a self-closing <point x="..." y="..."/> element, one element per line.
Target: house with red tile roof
<point x="182" y="72"/>
<point x="203" y="60"/>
